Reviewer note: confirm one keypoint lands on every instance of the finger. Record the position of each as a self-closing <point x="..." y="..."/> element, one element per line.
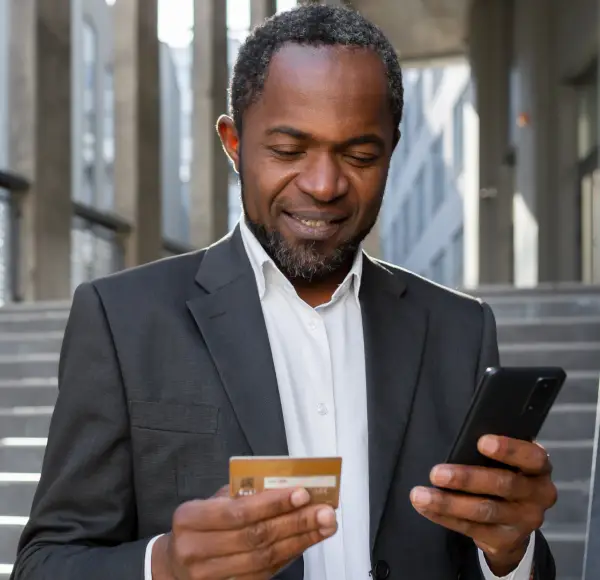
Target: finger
<point x="530" y="458"/>
<point x="223" y="492"/>
<point x="466" y="507"/>
<point x="494" y="539"/>
<point x="269" y="559"/>
<point x="229" y="514"/>
<point x="483" y="481"/>
<point x="264" y="533"/>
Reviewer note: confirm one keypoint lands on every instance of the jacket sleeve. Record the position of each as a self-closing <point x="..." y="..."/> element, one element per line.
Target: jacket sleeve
<point x="543" y="562"/>
<point x="83" y="519"/>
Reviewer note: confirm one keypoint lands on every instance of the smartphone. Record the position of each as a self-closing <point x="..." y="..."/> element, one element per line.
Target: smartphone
<point x="509" y="401"/>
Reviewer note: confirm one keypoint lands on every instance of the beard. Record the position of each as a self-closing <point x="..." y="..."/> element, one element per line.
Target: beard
<point x="303" y="260"/>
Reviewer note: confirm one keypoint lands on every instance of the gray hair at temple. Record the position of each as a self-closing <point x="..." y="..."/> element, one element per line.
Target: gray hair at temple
<point x="311" y="25"/>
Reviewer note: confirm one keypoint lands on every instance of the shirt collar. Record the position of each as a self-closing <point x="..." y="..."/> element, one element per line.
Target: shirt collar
<point x="267" y="273"/>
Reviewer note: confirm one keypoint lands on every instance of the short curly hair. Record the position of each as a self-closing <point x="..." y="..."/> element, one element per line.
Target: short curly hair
<point x="311" y="25"/>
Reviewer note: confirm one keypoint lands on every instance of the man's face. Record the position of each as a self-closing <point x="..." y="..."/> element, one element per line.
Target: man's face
<point x="314" y="156"/>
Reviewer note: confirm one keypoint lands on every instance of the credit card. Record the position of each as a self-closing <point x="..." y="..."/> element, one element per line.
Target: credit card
<point x="320" y="476"/>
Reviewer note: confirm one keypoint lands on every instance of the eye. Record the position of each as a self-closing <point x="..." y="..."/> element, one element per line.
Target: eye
<point x="286" y="153"/>
<point x="361" y="159"/>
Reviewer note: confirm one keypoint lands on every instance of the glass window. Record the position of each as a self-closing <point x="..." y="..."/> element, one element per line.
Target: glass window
<point x="108" y="196"/>
<point x="438" y="173"/>
<point x="90" y="108"/>
<point x="417" y="100"/>
<point x="438" y="267"/>
<point x="437" y="76"/>
<point x="458" y="258"/>
<point x="420" y="198"/>
<point x="95" y="252"/>
<point x="458" y="128"/>
<point x="406" y="233"/>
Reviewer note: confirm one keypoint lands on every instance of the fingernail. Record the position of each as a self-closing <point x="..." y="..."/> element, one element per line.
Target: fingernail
<point x="326" y="532"/>
<point x="300" y="497"/>
<point x="421" y="496"/>
<point x="442" y="475"/>
<point x="326" y="517"/>
<point x="489" y="444"/>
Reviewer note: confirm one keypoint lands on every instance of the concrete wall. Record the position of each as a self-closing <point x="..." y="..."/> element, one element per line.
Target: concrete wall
<point x="4" y="40"/>
<point x="97" y="15"/>
<point x="551" y="47"/>
<point x="172" y="218"/>
<point x="423" y="125"/>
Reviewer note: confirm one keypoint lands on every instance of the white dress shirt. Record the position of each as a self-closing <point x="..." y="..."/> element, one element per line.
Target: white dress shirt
<point x="318" y="354"/>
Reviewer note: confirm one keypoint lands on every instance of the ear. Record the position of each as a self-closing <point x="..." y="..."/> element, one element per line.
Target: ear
<point x="229" y="139"/>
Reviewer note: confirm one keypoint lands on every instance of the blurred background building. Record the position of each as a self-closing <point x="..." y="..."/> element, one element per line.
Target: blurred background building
<point x="109" y="159"/>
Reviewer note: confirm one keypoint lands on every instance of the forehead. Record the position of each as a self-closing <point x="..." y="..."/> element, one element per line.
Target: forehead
<point x="325" y="90"/>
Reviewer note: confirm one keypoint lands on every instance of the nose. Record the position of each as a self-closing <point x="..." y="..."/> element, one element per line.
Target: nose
<point x="322" y="178"/>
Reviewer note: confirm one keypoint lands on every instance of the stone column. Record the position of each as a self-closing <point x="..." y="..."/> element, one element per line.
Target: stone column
<point x="137" y="131"/>
<point x="40" y="143"/>
<point x="210" y="167"/>
<point x="536" y="216"/>
<point x="261" y="10"/>
<point x="490" y="48"/>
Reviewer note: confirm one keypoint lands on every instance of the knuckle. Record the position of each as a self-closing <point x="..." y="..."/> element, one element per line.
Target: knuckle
<point x="487" y="511"/>
<point x="257" y="535"/>
<point x="266" y="558"/>
<point x="506" y="485"/>
<point x="184" y="551"/>
<point x="236" y="515"/>
<point x="552" y="495"/>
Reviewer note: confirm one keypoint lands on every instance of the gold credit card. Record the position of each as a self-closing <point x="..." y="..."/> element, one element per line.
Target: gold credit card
<point x="320" y="476"/>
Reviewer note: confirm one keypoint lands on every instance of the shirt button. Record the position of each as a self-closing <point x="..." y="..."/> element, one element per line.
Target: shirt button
<point x="322" y="409"/>
<point x="312" y="325"/>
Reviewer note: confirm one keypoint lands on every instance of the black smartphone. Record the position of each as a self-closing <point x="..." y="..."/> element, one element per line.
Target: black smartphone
<point x="509" y="401"/>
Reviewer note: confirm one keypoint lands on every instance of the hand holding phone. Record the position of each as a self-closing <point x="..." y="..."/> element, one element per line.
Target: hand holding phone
<point x="497" y="484"/>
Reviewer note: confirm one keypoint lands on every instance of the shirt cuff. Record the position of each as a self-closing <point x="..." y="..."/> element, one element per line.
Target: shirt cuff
<point x="148" y="559"/>
<point x="522" y="572"/>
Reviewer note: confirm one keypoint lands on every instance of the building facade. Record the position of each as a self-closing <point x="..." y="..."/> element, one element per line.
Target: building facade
<point x="433" y="176"/>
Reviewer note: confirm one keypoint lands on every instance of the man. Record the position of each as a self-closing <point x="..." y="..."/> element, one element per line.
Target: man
<point x="284" y="338"/>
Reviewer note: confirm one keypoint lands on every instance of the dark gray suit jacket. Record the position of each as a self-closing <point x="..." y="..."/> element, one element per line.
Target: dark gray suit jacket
<point x="166" y="372"/>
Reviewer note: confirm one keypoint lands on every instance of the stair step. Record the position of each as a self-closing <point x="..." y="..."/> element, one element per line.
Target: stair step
<point x="22" y="455"/>
<point x="568" y="421"/>
<point x="575" y="355"/>
<point x="572" y="505"/>
<point x="29" y="365"/>
<point x="580" y="387"/>
<point x="572" y="460"/>
<point x="555" y="329"/>
<point x="539" y="307"/>
<point x="16" y="496"/>
<point x="11" y="528"/>
<point x="18" y="343"/>
<point x="43" y="321"/>
<point x="28" y="392"/>
<point x="567" y="543"/>
<point x="25" y="421"/>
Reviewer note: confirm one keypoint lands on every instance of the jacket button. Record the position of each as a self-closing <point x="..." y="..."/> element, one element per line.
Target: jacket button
<point x="382" y="570"/>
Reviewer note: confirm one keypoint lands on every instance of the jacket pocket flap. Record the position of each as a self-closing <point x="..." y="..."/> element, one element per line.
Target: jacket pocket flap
<point x="197" y="418"/>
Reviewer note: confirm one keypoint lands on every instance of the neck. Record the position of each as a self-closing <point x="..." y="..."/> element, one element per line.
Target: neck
<point x="316" y="293"/>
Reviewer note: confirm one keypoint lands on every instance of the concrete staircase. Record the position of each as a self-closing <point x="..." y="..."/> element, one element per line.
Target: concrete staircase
<point x="30" y="339"/>
<point x="545" y="326"/>
<point x="559" y="325"/>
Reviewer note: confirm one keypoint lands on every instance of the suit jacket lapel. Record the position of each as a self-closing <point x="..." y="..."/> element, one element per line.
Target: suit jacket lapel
<point x="230" y="319"/>
<point x="394" y="330"/>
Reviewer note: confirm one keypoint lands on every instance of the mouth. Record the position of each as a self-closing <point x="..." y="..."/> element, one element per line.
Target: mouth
<point x="312" y="226"/>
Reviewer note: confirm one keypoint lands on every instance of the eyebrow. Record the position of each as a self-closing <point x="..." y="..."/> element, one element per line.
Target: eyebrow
<point x="367" y="139"/>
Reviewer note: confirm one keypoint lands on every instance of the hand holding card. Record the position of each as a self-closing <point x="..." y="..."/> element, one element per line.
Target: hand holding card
<point x="254" y="534"/>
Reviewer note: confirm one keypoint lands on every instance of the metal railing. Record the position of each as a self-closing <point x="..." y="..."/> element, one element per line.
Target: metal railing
<point x="15" y="186"/>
